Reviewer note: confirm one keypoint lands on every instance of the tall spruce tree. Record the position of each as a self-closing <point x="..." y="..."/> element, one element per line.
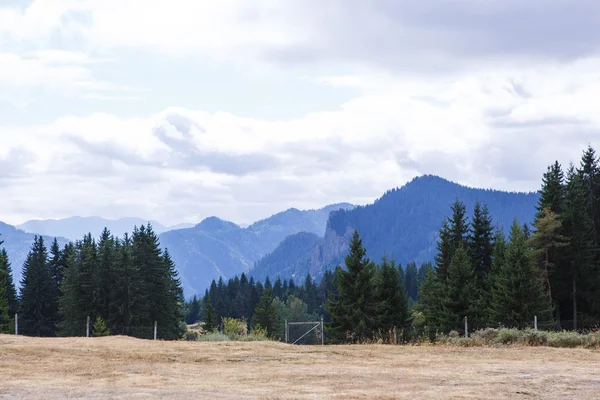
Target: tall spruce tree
<point x="518" y="292"/>
<point x="38" y="297"/>
<point x="480" y="242"/>
<point x="10" y="291"/>
<point x="460" y="293"/>
<point x="4" y="317"/>
<point x="444" y="249"/>
<point x="353" y="309"/>
<point x="411" y="281"/>
<point x="581" y="270"/>
<point x="392" y="308"/>
<point x="265" y="316"/>
<point x="545" y="239"/>
<point x="80" y="296"/>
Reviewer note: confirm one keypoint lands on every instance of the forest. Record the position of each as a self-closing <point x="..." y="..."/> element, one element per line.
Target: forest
<point x="123" y="285"/>
<point x="549" y="271"/>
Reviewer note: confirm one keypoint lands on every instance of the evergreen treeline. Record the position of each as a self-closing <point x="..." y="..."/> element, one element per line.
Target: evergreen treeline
<point x="124" y="285"/>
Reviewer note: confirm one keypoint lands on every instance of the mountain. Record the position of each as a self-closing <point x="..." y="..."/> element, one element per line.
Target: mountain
<point x="75" y="228"/>
<point x="403" y="223"/>
<point x="17" y="244"/>
<point x="217" y="248"/>
<point x="290" y="258"/>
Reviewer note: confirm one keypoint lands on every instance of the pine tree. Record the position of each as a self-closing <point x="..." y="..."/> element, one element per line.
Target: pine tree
<point x="99" y="329"/>
<point x="310" y="294"/>
<point x="353" y="309"/>
<point x="106" y="276"/>
<point x="459" y="227"/>
<point x="4" y="317"/>
<point x="546" y="238"/>
<point x="444" y="250"/>
<point x="38" y="297"/>
<point x="411" y="281"/>
<point x="265" y="315"/>
<point x="80" y="295"/>
<point x="125" y="295"/>
<point x="580" y="267"/>
<point x="210" y="322"/>
<point x="460" y="294"/>
<point x="392" y="308"/>
<point x="517" y="287"/>
<point x="10" y="290"/>
<point x="193" y="313"/>
<point x="480" y="242"/>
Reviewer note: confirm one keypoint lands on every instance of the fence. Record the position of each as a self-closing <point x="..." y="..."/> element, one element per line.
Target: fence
<point x="83" y="328"/>
<point x="309" y="332"/>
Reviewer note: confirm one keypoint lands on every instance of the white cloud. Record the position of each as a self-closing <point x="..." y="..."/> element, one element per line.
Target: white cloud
<point x="487" y="130"/>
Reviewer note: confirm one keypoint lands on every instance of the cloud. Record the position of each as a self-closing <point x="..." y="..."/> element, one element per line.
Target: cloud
<point x="496" y="129"/>
<point x="423" y="36"/>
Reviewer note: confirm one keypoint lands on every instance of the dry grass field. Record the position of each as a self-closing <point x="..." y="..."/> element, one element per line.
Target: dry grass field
<point x="119" y="367"/>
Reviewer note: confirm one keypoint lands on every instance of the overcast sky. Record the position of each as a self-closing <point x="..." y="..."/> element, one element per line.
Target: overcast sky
<point x="177" y="110"/>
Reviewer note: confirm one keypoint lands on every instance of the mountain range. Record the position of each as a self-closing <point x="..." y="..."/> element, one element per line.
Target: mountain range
<point x="216" y="248"/>
<point x="74" y="228"/>
<point x="403" y="223"/>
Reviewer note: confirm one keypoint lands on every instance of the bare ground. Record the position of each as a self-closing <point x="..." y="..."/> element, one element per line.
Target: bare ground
<point x="120" y="367"/>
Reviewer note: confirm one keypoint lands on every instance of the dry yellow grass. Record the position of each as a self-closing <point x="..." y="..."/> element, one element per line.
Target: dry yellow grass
<point x="120" y="367"/>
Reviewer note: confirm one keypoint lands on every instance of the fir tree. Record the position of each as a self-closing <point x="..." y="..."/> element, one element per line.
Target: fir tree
<point x="517" y="287"/>
<point x="10" y="291"/>
<point x="265" y="315"/>
<point x="210" y="322"/>
<point x="444" y="249"/>
<point x="545" y="239"/>
<point x="99" y="329"/>
<point x="353" y="309"/>
<point x="392" y="308"/>
<point x="193" y="313"/>
<point x="579" y="255"/>
<point x="38" y="297"/>
<point x="411" y="281"/>
<point x="459" y="293"/>
<point x="480" y="242"/>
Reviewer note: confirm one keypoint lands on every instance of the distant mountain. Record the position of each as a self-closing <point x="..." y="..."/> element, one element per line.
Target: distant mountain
<point x="403" y="223"/>
<point x="17" y="244"/>
<point x="216" y="248"/>
<point x="290" y="258"/>
<point x="75" y="228"/>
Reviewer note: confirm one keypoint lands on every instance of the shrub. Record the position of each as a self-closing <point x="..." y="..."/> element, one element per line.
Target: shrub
<point x="235" y="328"/>
<point x="486" y="336"/>
<point x="191" y="336"/>
<point x="565" y="339"/>
<point x="214" y="337"/>
<point x="508" y="336"/>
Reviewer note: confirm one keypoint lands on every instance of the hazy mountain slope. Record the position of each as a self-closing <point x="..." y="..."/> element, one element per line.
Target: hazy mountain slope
<point x="17" y="244"/>
<point x="75" y="228"/>
<point x="216" y="248"/>
<point x="404" y="223"/>
<point x="290" y="258"/>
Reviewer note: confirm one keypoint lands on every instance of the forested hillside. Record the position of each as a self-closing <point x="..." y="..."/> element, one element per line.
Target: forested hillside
<point x="216" y="248"/>
<point x="402" y="224"/>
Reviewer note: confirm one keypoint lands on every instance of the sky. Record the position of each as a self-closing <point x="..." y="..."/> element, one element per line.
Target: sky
<point x="182" y="109"/>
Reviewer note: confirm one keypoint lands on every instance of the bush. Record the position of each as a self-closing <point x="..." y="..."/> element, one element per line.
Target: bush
<point x="191" y="336"/>
<point x="508" y="336"/>
<point x="214" y="337"/>
<point x="565" y="339"/>
<point x="235" y="328"/>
